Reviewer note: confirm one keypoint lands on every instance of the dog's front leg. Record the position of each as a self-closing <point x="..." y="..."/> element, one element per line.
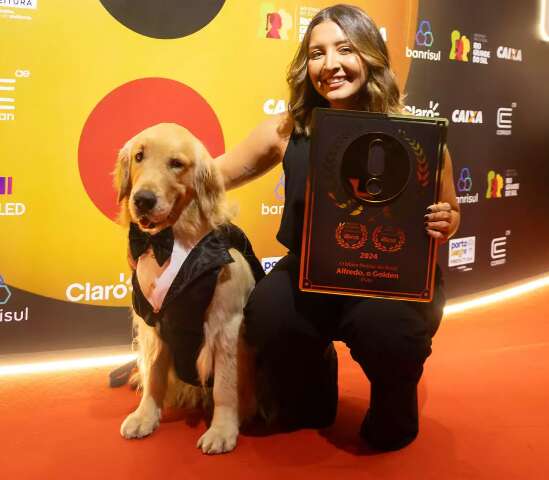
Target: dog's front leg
<point x="154" y="373"/>
<point x="222" y="435"/>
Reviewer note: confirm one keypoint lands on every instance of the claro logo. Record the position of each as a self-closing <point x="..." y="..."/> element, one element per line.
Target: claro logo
<point x="78" y="292"/>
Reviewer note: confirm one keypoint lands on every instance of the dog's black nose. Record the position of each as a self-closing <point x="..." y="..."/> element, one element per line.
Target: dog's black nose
<point x="144" y="200"/>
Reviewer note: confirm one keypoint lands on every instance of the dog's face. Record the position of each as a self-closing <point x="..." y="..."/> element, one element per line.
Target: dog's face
<point x="160" y="172"/>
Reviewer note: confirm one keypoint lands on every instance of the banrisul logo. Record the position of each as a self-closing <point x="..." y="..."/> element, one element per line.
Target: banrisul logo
<point x="430" y="111"/>
<point x="277" y="207"/>
<point x="467" y="116"/>
<point x="166" y="19"/>
<point x="7" y="315"/>
<point x="425" y="40"/>
<point x="465" y="187"/>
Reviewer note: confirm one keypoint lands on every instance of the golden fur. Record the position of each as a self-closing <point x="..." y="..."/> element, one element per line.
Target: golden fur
<point x="169" y="161"/>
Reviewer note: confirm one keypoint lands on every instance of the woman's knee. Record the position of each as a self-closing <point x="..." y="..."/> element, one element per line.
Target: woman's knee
<point x="392" y="342"/>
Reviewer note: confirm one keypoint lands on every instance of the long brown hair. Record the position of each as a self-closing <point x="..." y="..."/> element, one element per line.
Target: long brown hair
<point x="381" y="92"/>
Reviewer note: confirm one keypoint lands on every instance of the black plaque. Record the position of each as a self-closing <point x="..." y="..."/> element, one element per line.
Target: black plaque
<point x="371" y="178"/>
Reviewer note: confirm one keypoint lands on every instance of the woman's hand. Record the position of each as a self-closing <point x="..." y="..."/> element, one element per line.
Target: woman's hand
<point x="438" y="221"/>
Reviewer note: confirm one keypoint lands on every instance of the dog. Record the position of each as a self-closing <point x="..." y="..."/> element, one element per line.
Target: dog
<point x="190" y="346"/>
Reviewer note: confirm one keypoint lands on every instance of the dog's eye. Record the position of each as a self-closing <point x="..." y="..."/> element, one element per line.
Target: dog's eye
<point x="138" y="156"/>
<point x="175" y="163"/>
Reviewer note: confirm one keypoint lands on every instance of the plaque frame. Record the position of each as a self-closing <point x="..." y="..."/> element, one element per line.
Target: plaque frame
<point x="323" y="117"/>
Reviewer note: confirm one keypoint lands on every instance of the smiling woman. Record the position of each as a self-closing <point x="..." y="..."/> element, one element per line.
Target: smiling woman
<point x="342" y="63"/>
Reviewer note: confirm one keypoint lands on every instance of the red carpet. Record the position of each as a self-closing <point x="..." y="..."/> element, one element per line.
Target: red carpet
<point x="484" y="415"/>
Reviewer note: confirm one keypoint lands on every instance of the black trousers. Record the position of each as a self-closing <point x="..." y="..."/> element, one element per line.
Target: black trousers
<point x="292" y="333"/>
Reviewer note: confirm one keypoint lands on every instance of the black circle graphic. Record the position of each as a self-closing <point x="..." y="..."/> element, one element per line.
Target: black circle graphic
<point x="164" y="19"/>
<point x="375" y="168"/>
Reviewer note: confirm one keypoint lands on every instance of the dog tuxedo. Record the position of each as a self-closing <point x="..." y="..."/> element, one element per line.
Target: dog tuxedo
<point x="174" y="284"/>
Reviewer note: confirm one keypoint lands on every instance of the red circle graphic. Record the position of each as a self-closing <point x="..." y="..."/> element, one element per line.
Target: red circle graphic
<point x="126" y="111"/>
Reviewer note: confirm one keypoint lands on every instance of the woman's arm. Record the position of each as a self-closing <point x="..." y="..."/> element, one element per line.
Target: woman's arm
<point x="262" y="150"/>
<point x="443" y="218"/>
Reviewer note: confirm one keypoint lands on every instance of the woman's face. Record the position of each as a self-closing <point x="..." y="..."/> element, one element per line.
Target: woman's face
<point x="335" y="68"/>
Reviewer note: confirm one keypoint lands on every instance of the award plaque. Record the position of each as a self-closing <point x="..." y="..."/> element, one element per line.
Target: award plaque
<point x="371" y="178"/>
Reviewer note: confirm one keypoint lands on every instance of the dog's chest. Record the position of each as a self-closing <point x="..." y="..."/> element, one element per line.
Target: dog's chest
<point x="155" y="280"/>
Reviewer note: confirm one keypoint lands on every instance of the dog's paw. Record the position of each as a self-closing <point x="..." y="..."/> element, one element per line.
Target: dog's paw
<point x="218" y="439"/>
<point x="138" y="425"/>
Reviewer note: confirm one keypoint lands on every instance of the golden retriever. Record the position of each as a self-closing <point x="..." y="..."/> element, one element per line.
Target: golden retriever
<point x="166" y="178"/>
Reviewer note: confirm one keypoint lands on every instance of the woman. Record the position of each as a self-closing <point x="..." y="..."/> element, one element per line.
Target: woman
<point x="341" y="63"/>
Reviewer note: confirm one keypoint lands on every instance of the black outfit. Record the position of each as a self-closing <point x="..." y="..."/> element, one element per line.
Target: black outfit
<point x="181" y="317"/>
<point x="293" y="331"/>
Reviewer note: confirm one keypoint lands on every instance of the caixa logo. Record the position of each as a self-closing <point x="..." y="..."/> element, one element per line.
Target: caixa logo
<point x="78" y="292"/>
<point x="467" y="116"/>
<point x="274" y="107"/>
<point x="268" y="263"/>
<point x="7" y="316"/>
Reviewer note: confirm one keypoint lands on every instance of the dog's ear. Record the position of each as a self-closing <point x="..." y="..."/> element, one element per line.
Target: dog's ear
<point x="208" y="184"/>
<point x="122" y="180"/>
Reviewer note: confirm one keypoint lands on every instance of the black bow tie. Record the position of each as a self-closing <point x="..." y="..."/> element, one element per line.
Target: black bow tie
<point x="162" y="243"/>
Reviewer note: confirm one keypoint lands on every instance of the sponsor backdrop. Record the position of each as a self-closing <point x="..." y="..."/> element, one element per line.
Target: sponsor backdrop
<point x="79" y="78"/>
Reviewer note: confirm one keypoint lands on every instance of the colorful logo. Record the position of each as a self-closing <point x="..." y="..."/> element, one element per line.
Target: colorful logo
<point x="495" y="185"/>
<point x="465" y="182"/>
<point x="461" y="251"/>
<point x="274" y="23"/>
<point x="424" y="39"/>
<point x="424" y="35"/>
<point x="461" y="46"/>
<point x="465" y="185"/>
<point x="6" y="185"/>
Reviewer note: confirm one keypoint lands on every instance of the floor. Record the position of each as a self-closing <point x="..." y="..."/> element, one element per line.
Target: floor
<point x="484" y="402"/>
